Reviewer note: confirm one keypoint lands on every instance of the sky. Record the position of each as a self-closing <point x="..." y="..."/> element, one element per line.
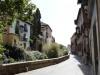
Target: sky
<point x="60" y="16"/>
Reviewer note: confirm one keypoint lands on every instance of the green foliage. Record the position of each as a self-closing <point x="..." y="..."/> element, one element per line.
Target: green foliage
<point x="51" y="50"/>
<point x="11" y="60"/>
<point x="39" y="55"/>
<point x="0" y="56"/>
<point x="2" y="49"/>
<point x="60" y="52"/>
<point x="12" y="9"/>
<point x="14" y="52"/>
<point x="28" y="57"/>
<point x="54" y="50"/>
<point x="36" y="55"/>
<point x="18" y="54"/>
<point x="31" y="41"/>
<point x="65" y="52"/>
<point x="64" y="49"/>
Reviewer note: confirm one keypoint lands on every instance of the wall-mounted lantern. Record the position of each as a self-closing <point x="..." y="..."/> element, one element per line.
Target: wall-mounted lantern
<point x="77" y="31"/>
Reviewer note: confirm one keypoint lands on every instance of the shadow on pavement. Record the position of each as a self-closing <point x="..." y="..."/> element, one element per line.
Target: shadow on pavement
<point x="78" y="58"/>
<point x="86" y="69"/>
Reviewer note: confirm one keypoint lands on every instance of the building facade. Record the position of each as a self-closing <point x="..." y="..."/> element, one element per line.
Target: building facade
<point x="74" y="44"/>
<point x="47" y="33"/>
<point x="18" y="33"/>
<point x="90" y="32"/>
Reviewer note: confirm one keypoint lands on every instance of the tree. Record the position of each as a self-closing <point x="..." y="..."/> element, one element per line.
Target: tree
<point x="12" y="9"/>
<point x="37" y="23"/>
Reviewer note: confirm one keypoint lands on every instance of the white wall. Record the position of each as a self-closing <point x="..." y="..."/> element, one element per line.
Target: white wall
<point x="21" y="23"/>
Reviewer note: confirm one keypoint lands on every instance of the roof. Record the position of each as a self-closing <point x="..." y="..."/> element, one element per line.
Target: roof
<point x="75" y="21"/>
<point x="42" y="23"/>
<point x="25" y="22"/>
<point x="46" y="25"/>
<point x="83" y="2"/>
<point x="29" y="23"/>
<point x="79" y="1"/>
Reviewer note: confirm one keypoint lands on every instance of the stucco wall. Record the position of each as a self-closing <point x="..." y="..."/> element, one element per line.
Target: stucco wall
<point x="91" y="37"/>
<point x="21" y="23"/>
<point x="9" y="39"/>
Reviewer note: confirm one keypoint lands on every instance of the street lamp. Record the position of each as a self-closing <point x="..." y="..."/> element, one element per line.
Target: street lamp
<point x="77" y="31"/>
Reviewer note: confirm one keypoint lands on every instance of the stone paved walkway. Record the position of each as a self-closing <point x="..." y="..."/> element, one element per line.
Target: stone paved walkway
<point x="72" y="66"/>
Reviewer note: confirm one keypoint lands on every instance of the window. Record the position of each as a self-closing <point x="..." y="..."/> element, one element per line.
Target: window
<point x="46" y="35"/>
<point x="22" y="28"/>
<point x="25" y="28"/>
<point x="17" y="27"/>
<point x="17" y="22"/>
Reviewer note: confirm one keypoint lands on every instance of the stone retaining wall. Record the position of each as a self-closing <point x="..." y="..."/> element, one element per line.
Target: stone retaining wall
<point x="15" y="68"/>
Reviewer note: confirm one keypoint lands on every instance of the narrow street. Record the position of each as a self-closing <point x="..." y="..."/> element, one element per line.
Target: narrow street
<point x="72" y="66"/>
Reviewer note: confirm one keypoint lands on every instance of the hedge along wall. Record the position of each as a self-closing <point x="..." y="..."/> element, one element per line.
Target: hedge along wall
<point x="15" y="68"/>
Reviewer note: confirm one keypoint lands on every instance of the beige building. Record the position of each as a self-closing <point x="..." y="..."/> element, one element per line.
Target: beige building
<point x="17" y="34"/>
<point x="11" y="39"/>
<point x="46" y="33"/>
<point x="90" y="10"/>
<point x="74" y="44"/>
<point x="79" y="24"/>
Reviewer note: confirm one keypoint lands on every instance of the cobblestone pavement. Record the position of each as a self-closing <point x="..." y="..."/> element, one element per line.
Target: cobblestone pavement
<point x="72" y="66"/>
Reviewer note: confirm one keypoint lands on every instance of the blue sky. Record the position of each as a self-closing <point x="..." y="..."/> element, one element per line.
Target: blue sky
<point x="60" y="16"/>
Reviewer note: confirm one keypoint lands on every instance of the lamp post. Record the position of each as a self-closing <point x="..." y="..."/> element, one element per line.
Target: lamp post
<point x="77" y="31"/>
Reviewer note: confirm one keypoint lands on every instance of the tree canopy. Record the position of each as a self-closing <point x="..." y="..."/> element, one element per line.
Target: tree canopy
<point x="12" y="9"/>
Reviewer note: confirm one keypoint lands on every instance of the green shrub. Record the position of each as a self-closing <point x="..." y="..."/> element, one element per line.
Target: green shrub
<point x="14" y="52"/>
<point x="54" y="50"/>
<point x="35" y="55"/>
<point x="65" y="52"/>
<point x="61" y="53"/>
<point x="27" y="57"/>
<point x="2" y="49"/>
<point x="11" y="60"/>
<point x="39" y="55"/>
<point x="18" y="54"/>
<point x="64" y="49"/>
<point x="0" y="56"/>
<point x="51" y="50"/>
